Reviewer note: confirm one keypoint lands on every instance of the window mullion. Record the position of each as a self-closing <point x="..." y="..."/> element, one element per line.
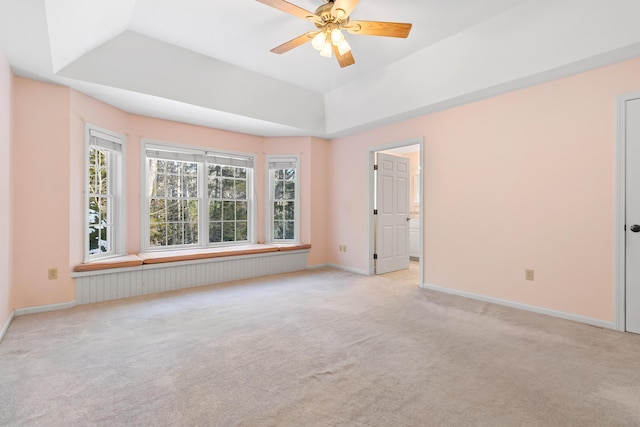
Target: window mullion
<point x="203" y="192"/>
<point x="110" y="201"/>
<point x="272" y="212"/>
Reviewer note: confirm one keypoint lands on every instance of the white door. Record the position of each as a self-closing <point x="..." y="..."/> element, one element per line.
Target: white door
<point x="392" y="221"/>
<point x="632" y="235"/>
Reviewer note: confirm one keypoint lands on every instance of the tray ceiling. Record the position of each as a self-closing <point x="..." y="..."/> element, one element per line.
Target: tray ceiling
<point x="208" y="62"/>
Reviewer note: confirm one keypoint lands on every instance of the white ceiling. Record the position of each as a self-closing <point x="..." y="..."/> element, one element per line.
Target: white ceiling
<point x="208" y="62"/>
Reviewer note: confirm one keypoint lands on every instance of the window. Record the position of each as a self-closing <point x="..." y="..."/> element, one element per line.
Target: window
<point x="104" y="226"/>
<point x="197" y="198"/>
<point x="284" y="205"/>
<point x="173" y="199"/>
<point x="228" y="199"/>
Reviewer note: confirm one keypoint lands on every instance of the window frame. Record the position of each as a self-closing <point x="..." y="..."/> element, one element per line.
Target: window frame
<point x="249" y="179"/>
<point x="269" y="197"/>
<point x="116" y="181"/>
<point x="202" y="154"/>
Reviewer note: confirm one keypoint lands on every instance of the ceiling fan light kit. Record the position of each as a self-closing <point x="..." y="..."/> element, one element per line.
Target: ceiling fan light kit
<point x="326" y="50"/>
<point x="319" y="41"/>
<point x="330" y="19"/>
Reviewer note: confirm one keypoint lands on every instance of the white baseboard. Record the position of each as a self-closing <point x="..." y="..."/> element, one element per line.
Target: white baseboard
<point x="43" y="308"/>
<point x="348" y="269"/>
<point x="532" y="308"/>
<point x="6" y="325"/>
<point x="318" y="266"/>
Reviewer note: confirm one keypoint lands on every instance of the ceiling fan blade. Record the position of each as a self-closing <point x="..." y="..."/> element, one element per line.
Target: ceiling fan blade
<point x="290" y="8"/>
<point x="344" y="60"/>
<point x="300" y="40"/>
<point x="346" y="6"/>
<point x="373" y="28"/>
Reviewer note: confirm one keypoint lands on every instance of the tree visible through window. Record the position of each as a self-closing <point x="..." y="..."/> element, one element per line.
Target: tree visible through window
<point x="173" y="202"/>
<point x="197" y="198"/>
<point x="104" y="154"/>
<point x="228" y="204"/>
<point x="100" y="201"/>
<point x="284" y="199"/>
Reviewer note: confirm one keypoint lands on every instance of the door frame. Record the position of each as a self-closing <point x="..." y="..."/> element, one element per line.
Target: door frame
<point x="371" y="197"/>
<point x="620" y="267"/>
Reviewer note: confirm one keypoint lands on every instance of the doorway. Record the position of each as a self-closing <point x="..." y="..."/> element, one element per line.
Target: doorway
<point x="414" y="151"/>
<point x="628" y="215"/>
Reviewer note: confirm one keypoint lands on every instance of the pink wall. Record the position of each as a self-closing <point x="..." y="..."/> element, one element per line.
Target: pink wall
<point x="40" y="196"/>
<point x="347" y="217"/>
<point x="6" y="306"/>
<point x="319" y="203"/>
<point x="522" y="180"/>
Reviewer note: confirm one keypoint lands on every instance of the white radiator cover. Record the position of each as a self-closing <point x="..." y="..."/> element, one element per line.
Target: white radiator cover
<point x="108" y="285"/>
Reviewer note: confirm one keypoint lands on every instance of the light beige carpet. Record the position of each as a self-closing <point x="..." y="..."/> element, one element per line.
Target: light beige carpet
<point x="410" y="275"/>
<point x="318" y="348"/>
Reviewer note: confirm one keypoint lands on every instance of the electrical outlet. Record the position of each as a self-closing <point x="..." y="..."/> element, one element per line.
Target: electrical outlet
<point x="528" y="274"/>
<point x="53" y="273"/>
<point x="344" y="248"/>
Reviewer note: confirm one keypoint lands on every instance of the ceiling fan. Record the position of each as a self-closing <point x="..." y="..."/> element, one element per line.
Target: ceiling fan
<point x="330" y="19"/>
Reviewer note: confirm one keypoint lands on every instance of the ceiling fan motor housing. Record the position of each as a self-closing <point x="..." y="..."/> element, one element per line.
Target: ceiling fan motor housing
<point x="326" y="17"/>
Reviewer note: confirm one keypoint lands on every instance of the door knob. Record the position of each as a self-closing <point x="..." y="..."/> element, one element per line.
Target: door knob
<point x="635" y="228"/>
